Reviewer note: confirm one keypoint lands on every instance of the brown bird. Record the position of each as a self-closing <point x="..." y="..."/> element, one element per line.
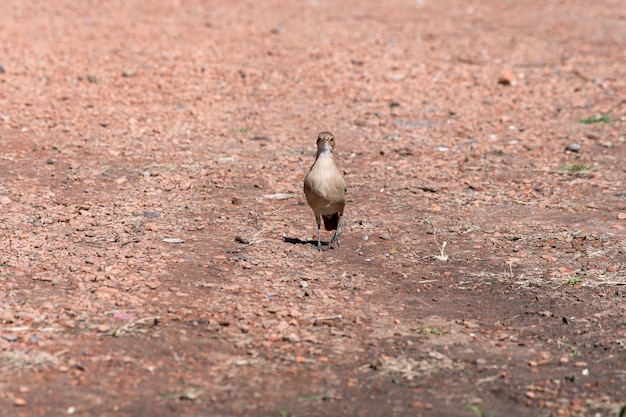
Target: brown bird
<point x="325" y="188"/>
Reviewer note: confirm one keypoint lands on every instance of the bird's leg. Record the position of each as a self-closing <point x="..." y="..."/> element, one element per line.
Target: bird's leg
<point x="319" y="242"/>
<point x="335" y="238"/>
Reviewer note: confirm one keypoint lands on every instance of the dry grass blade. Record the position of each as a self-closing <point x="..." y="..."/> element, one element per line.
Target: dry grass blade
<point x="190" y="393"/>
<point x="324" y="318"/>
<point x="134" y="325"/>
<point x="17" y="359"/>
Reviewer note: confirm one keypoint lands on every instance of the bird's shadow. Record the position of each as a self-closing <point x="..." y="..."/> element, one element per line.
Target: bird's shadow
<point x="296" y="241"/>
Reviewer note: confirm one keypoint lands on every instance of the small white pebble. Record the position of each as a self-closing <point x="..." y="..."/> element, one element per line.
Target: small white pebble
<point x="173" y="240"/>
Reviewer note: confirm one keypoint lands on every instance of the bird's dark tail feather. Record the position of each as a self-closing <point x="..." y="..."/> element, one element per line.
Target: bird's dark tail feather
<point x="331" y="222"/>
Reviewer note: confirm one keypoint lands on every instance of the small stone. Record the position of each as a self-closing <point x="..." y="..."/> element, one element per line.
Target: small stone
<point x="260" y="139"/>
<point x="233" y="288"/>
<point x="506" y="77"/>
<point x="103" y="328"/>
<point x="573" y="147"/>
<point x="417" y="404"/>
<point x="19" y="401"/>
<point x="4" y="200"/>
<point x="293" y="338"/>
<point x="9" y="337"/>
<point x="620" y="216"/>
<point x="242" y="240"/>
<point x="173" y="240"/>
<point x="564" y="360"/>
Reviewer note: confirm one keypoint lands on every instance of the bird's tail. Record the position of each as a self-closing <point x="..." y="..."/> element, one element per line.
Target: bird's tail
<point x="331" y="222"/>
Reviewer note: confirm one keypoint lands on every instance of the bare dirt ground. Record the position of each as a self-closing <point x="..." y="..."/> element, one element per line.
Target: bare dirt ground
<point x="483" y="258"/>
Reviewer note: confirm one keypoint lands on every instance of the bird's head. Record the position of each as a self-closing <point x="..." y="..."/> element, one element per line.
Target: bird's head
<point x="325" y="142"/>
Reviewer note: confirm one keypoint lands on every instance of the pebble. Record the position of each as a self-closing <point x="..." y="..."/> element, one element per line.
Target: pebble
<point x="19" y="401"/>
<point x="506" y="77"/>
<point x="173" y="240"/>
<point x="9" y="337"/>
<point x="293" y="338"/>
<point x="103" y="328"/>
<point x="573" y="147"/>
<point x="417" y="404"/>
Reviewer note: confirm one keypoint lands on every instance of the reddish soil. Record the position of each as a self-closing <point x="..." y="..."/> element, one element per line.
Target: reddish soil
<point x="483" y="253"/>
